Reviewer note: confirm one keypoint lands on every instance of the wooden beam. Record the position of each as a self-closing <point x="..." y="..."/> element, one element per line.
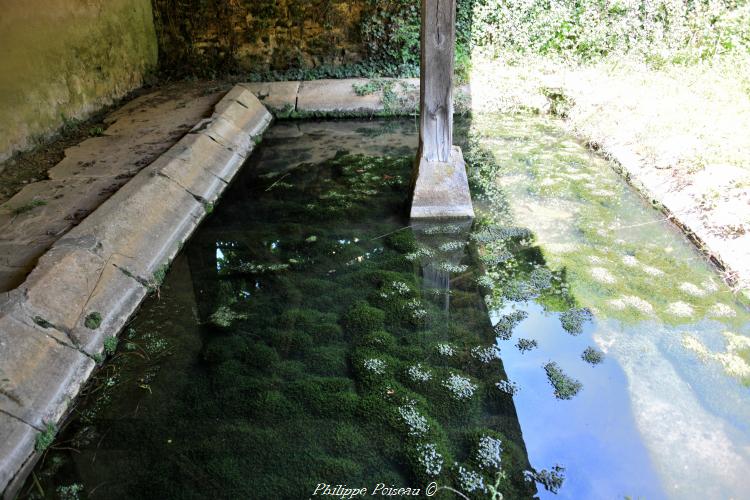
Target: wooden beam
<point x="436" y="72"/>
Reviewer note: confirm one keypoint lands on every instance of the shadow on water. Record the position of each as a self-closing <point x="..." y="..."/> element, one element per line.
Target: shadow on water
<point x="308" y="334"/>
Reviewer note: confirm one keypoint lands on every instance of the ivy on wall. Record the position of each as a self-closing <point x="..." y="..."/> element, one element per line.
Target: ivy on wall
<point x="296" y="39"/>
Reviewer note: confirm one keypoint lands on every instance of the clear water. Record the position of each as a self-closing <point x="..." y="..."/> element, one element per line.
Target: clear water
<point x="309" y="334"/>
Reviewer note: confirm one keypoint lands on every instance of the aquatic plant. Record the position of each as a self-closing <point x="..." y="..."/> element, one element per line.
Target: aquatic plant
<point x="592" y="356"/>
<point x="224" y="316"/>
<point x="362" y="318"/>
<point x="507" y="322"/>
<point x="485" y="354"/>
<point x="469" y="481"/>
<point x="681" y="309"/>
<point x="507" y="387"/>
<point x="452" y="246"/>
<point x="486" y="281"/>
<point x="449" y="267"/>
<point x="565" y="387"/>
<point x="460" y="387"/>
<point x="395" y="288"/>
<point x="69" y="492"/>
<point x="552" y="480"/>
<point x="419" y="253"/>
<point x="445" y="350"/>
<point x="376" y="366"/>
<point x="415" y="423"/>
<point x="417" y="373"/>
<point x="525" y="345"/>
<point x="443" y="229"/>
<point x="540" y="279"/>
<point x="495" y="233"/>
<point x="429" y="459"/>
<point x="573" y="319"/>
<point x="489" y="453"/>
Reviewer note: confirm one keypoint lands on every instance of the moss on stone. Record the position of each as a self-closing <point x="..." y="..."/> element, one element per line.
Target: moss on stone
<point x="93" y="320"/>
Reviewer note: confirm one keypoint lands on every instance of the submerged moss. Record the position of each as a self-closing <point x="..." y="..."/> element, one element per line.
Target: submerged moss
<point x="565" y="386"/>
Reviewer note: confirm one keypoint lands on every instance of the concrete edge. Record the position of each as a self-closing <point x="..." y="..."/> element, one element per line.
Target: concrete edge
<point x="338" y="98"/>
<point x="629" y="167"/>
<point x="86" y="287"/>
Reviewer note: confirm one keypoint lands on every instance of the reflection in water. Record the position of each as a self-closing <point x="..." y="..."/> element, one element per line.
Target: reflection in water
<point x="442" y="247"/>
<point x="307" y="336"/>
<point x="667" y="413"/>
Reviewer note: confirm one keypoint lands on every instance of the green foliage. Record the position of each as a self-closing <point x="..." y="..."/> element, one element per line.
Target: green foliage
<point x="592" y="356"/>
<point x="96" y="131"/>
<point x="362" y="319"/>
<point x="93" y="320"/>
<point x="589" y="30"/>
<point x="45" y="438"/>
<point x="565" y="386"/>
<point x="110" y="345"/>
<point x="28" y="207"/>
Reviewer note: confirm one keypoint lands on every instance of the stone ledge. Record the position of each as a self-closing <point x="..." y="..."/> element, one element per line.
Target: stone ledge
<point x="338" y="99"/>
<point x="106" y="265"/>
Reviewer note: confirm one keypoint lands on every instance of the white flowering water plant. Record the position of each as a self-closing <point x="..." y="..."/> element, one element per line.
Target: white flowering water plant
<point x="417" y="373"/>
<point x="489" y="453"/>
<point x="429" y="459"/>
<point x="485" y="354"/>
<point x="446" y="350"/>
<point x="460" y="387"/>
<point x="468" y="480"/>
<point x="415" y="423"/>
<point x="374" y="365"/>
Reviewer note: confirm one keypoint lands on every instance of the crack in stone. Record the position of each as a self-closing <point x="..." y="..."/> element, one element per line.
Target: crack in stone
<point x="14" y="417"/>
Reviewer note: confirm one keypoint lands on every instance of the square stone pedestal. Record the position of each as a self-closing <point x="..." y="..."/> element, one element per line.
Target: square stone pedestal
<point x="441" y="190"/>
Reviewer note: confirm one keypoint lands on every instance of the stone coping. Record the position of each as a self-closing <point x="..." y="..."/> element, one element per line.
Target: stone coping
<point x="340" y="99"/>
<point x="89" y="283"/>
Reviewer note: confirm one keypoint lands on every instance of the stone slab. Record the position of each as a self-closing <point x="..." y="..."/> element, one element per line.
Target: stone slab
<point x="278" y="97"/>
<point x="336" y="96"/>
<point x="16" y="447"/>
<point x="39" y="376"/>
<point x="57" y="290"/>
<point x="116" y="297"/>
<point x="441" y="190"/>
<point x="200" y="149"/>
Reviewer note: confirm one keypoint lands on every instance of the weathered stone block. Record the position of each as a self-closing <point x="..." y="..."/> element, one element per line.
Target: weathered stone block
<point x="16" y="447"/>
<point x="144" y="223"/>
<point x="336" y="96"/>
<point x="39" y="376"/>
<point x="58" y="288"/>
<point x="442" y="189"/>
<point x="276" y="96"/>
<point x="115" y="297"/>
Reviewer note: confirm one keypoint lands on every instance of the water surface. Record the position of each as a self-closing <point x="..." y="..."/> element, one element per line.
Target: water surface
<point x="567" y="343"/>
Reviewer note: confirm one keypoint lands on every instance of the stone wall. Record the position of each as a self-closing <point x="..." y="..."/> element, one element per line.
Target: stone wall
<point x="204" y="36"/>
<point x="63" y="59"/>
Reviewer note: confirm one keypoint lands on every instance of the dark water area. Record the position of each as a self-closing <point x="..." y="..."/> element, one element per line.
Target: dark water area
<point x="310" y="335"/>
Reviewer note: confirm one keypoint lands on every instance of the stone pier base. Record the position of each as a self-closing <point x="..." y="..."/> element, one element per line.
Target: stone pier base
<point x="441" y="190"/>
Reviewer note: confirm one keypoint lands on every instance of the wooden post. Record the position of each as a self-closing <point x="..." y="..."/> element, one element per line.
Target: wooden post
<point x="436" y="75"/>
<point x="441" y="188"/>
